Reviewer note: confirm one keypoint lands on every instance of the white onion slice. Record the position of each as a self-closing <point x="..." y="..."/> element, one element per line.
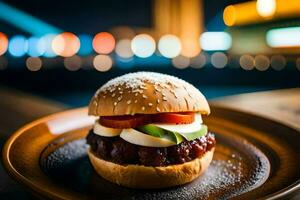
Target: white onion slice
<point x="183" y="128"/>
<point x="105" y="131"/>
<point x="136" y="137"/>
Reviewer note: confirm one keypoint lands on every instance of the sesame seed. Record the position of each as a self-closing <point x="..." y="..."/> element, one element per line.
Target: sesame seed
<point x="164" y="98"/>
<point x="129" y="102"/>
<point x="115" y="103"/>
<point x="114" y="94"/>
<point x="150" y="104"/>
<point x="157" y="109"/>
<point x="121" y="92"/>
<point x="135" y="101"/>
<point x="137" y="82"/>
<point x="144" y="96"/>
<point x="143" y="108"/>
<point x="163" y="94"/>
<point x="136" y="94"/>
<point x="157" y="100"/>
<point x="120" y="98"/>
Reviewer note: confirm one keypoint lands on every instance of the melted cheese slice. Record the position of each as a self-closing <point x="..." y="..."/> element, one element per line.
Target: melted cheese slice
<point x="136" y="137"/>
<point x="105" y="131"/>
<point x="183" y="128"/>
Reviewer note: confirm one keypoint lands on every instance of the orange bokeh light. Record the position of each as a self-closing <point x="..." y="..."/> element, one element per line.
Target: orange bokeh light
<point x="104" y="43"/>
<point x="66" y="44"/>
<point x="229" y="15"/>
<point x="3" y="43"/>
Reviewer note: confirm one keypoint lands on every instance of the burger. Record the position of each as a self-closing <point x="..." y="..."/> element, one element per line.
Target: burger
<point x="149" y="131"/>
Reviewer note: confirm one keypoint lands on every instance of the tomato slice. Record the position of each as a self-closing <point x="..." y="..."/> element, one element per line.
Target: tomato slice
<point x="126" y="121"/>
<point x="132" y="121"/>
<point x="174" y="118"/>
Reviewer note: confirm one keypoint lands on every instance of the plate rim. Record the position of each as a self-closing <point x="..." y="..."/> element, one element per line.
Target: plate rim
<point x="8" y="166"/>
<point x="10" y="169"/>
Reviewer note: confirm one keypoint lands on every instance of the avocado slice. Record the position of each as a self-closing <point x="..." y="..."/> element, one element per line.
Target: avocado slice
<point x="152" y="130"/>
<point x="173" y="136"/>
<point x="196" y="134"/>
<point x="162" y="133"/>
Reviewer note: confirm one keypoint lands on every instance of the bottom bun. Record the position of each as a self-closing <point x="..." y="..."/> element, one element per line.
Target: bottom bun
<point x="140" y="176"/>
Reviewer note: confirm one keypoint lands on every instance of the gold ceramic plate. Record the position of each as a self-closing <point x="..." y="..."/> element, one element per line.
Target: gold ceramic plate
<point x="254" y="158"/>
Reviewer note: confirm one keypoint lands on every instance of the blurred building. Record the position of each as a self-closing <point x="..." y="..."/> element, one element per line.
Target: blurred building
<point x="225" y="47"/>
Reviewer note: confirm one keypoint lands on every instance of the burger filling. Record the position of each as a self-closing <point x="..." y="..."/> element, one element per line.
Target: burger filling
<point x="150" y="140"/>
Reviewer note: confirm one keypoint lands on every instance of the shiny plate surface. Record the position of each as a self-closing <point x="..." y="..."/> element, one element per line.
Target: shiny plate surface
<point x="254" y="158"/>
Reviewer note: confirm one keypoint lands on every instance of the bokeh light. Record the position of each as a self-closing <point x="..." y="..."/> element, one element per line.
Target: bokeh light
<point x="247" y="62"/>
<point x="219" y="60"/>
<point x="169" y="46"/>
<point x="102" y="63"/>
<point x="125" y="63"/>
<point x="143" y="45"/>
<point x="18" y="46"/>
<point x="3" y="63"/>
<point x="215" y="41"/>
<point x="3" y="43"/>
<point x="36" y="47"/>
<point x="278" y="62"/>
<point x="73" y="63"/>
<point x="262" y="62"/>
<point x="33" y="63"/>
<point x="46" y="43"/>
<point x="190" y="47"/>
<point x="283" y="37"/>
<point x="198" y="61"/>
<point x="266" y="8"/>
<point x="86" y="44"/>
<point x="122" y="32"/>
<point x="123" y="48"/>
<point x="298" y="63"/>
<point x="229" y="15"/>
<point x="181" y="62"/>
<point x="104" y="43"/>
<point x="66" y="44"/>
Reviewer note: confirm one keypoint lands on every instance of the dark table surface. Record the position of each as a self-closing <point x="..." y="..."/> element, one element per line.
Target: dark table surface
<point x="17" y="109"/>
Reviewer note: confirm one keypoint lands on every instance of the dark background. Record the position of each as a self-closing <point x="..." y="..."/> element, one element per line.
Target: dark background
<point x="76" y="88"/>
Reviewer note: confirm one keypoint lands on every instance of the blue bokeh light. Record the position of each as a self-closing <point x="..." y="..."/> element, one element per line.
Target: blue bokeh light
<point x="25" y="21"/>
<point x="124" y="63"/>
<point x="215" y="41"/>
<point x="283" y="37"/>
<point x="46" y="41"/>
<point x="18" y="46"/>
<point x="86" y="46"/>
<point x="36" y="46"/>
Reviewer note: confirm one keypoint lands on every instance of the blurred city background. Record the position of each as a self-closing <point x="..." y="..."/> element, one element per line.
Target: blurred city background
<point x="65" y="50"/>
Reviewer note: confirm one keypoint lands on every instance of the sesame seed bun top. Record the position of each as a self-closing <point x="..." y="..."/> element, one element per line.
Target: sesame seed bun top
<point x="147" y="93"/>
